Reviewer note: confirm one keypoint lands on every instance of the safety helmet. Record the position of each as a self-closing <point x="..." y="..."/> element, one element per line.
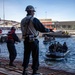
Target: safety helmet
<point x="13" y="28"/>
<point x="30" y="8"/>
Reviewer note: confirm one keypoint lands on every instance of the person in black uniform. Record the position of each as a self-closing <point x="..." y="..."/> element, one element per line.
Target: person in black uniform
<point x="64" y="47"/>
<point x="11" y="39"/>
<point x="30" y="27"/>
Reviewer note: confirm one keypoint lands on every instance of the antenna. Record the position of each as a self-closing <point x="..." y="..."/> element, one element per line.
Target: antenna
<point x="45" y="14"/>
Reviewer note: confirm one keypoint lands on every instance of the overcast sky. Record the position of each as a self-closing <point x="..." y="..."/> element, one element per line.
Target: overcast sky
<point x="57" y="10"/>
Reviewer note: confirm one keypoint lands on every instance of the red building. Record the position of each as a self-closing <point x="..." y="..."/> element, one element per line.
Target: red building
<point x="47" y="23"/>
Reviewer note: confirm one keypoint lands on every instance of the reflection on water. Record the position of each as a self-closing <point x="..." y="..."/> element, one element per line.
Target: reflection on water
<point x="67" y="64"/>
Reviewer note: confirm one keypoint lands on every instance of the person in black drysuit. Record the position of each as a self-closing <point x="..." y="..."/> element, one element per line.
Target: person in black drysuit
<point x="64" y="47"/>
<point x="11" y="39"/>
<point x="30" y="27"/>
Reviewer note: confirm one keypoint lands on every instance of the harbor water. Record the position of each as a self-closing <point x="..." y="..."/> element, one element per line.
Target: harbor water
<point x="67" y="64"/>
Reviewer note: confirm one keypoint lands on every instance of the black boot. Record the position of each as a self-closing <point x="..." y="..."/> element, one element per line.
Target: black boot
<point x="35" y="72"/>
<point x="12" y="65"/>
<point x="24" y="72"/>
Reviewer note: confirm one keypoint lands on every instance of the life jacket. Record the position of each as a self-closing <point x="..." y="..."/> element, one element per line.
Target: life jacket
<point x="28" y="27"/>
<point x="0" y="31"/>
<point x="10" y="37"/>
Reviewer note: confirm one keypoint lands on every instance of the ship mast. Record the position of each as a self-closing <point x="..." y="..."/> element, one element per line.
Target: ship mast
<point x="4" y="12"/>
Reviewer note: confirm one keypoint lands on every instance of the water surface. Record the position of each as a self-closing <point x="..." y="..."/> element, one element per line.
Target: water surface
<point x="68" y="64"/>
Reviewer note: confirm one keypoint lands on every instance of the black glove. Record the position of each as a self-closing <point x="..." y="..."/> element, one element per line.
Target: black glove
<point x="51" y="30"/>
<point x="19" y="41"/>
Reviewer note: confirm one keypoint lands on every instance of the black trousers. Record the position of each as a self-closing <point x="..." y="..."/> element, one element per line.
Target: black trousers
<point x="12" y="52"/>
<point x="34" y="48"/>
